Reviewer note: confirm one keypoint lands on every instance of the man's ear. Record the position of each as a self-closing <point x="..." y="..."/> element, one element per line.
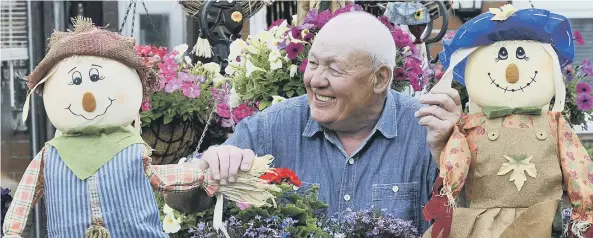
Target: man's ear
<point x="382" y="79"/>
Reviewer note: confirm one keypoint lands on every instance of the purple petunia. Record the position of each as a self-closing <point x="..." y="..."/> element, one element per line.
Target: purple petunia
<point x="586" y="66"/>
<point x="583" y="87"/>
<point x="293" y="50"/>
<point x="585" y="101"/>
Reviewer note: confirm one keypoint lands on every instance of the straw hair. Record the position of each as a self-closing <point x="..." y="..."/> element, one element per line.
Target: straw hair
<point x="88" y="40"/>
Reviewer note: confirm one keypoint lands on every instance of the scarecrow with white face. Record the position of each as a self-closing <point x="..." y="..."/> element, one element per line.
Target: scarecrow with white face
<point x="97" y="176"/>
<point x="511" y="153"/>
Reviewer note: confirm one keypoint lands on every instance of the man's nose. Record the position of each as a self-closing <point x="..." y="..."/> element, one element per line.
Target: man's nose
<point x="89" y="103"/>
<point x="512" y="74"/>
<point x="319" y="80"/>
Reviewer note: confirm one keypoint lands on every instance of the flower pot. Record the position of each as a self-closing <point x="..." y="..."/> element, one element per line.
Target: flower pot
<point x="171" y="141"/>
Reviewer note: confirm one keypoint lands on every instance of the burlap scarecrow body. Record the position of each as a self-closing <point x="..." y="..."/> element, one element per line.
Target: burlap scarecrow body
<point x="97" y="177"/>
<point x="511" y="153"/>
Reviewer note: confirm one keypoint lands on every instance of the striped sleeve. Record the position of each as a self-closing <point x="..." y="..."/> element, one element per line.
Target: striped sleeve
<point x="28" y="193"/>
<point x="178" y="177"/>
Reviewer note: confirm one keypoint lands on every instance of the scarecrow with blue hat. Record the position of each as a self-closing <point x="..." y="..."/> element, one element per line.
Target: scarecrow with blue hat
<point x="511" y="154"/>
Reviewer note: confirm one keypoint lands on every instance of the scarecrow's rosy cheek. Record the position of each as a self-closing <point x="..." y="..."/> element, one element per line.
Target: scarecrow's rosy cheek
<point x="121" y="98"/>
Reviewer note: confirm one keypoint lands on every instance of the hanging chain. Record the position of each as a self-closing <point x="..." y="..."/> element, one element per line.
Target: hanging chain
<point x="133" y="18"/>
<point x="152" y="23"/>
<point x="121" y="28"/>
<point x="192" y="155"/>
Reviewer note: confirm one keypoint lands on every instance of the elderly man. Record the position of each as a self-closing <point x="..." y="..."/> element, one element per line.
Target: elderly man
<point x="351" y="135"/>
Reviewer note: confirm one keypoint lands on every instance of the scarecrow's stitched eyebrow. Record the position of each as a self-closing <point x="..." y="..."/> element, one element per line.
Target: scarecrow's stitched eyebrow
<point x="71" y="69"/>
<point x="96" y="65"/>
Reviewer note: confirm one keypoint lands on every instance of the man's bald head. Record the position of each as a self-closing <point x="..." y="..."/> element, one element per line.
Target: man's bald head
<point x="360" y="32"/>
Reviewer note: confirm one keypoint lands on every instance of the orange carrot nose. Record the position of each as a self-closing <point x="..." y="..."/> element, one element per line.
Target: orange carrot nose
<point x="512" y="74"/>
<point x="88" y="102"/>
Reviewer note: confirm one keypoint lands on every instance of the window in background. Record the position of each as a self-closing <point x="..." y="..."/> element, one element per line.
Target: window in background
<point x="149" y="34"/>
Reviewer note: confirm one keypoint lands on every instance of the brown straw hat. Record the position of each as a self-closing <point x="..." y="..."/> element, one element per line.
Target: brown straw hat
<point x="88" y="40"/>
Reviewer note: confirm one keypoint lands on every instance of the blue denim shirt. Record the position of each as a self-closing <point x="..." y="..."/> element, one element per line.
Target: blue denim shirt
<point x="393" y="169"/>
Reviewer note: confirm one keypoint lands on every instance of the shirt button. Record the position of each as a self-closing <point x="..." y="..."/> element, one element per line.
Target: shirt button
<point x="541" y="135"/>
<point x="295" y="188"/>
<point x="493" y="135"/>
<point x="351" y="161"/>
<point x="395" y="188"/>
<point x="347" y="197"/>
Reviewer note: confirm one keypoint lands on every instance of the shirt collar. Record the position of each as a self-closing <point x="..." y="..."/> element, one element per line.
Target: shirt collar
<point x="387" y="123"/>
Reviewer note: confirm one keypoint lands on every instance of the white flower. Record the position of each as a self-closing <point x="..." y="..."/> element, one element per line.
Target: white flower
<point x="276" y="64"/>
<point x="170" y="224"/>
<point x="234" y="98"/>
<point x="250" y="68"/>
<point x="252" y="49"/>
<point x="212" y="67"/>
<point x="218" y="78"/>
<point x="167" y="209"/>
<point x="181" y="49"/>
<point x="264" y="36"/>
<point x="281" y="30"/>
<point x="277" y="99"/>
<point x="294" y="20"/>
<point x="187" y="60"/>
<point x="293" y="70"/>
<point x="236" y="48"/>
<point x="274" y="55"/>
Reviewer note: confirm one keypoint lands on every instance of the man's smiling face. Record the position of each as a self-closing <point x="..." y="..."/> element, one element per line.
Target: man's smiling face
<point x="510" y="73"/>
<point x="86" y="90"/>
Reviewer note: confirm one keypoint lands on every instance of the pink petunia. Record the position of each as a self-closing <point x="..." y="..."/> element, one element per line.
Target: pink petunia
<point x="223" y="110"/>
<point x="295" y="32"/>
<point x="190" y="90"/>
<point x="578" y="37"/>
<point x="185" y="77"/>
<point x="226" y="122"/>
<point x="586" y="66"/>
<point x="583" y="87"/>
<point x="399" y="74"/>
<point x="173" y="85"/>
<point x="293" y="50"/>
<point x="168" y="75"/>
<point x="243" y="205"/>
<point x="585" y="101"/>
<point x="401" y="38"/>
<point x="415" y="81"/>
<point x="242" y="111"/>
<point x="303" y="65"/>
<point x="146" y="105"/>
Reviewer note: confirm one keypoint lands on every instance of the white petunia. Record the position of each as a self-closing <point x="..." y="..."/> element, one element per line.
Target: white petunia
<point x="293" y="70"/>
<point x="294" y="19"/>
<point x="187" y="60"/>
<point x="236" y="48"/>
<point x="277" y="99"/>
<point x="181" y="49"/>
<point x="170" y="224"/>
<point x="218" y="78"/>
<point x="167" y="209"/>
<point x="250" y="68"/>
<point x="212" y="67"/>
<point x="274" y="55"/>
<point x="276" y="64"/>
<point x="234" y="100"/>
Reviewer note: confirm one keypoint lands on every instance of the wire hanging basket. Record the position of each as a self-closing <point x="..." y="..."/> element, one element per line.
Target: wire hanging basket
<point x="249" y="7"/>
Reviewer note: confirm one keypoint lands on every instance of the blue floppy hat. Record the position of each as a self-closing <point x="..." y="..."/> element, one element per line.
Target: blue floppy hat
<point x="526" y="24"/>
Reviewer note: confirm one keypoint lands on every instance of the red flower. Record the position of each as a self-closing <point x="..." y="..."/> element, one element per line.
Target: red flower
<point x="578" y="37"/>
<point x="146" y="105"/>
<point x="242" y="111"/>
<point x="399" y="74"/>
<point x="280" y="175"/>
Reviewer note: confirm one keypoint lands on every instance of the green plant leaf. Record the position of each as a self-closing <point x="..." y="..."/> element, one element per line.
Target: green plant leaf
<point x="263" y="104"/>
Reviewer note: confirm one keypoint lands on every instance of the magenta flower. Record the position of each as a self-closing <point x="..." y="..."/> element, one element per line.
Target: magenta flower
<point x="146" y="105"/>
<point x="303" y="65"/>
<point x="296" y="33"/>
<point x="293" y="50"/>
<point x="401" y="38"/>
<point x="308" y="37"/>
<point x="226" y="122"/>
<point x="168" y="75"/>
<point x="387" y="23"/>
<point x="415" y="81"/>
<point x="242" y="111"/>
<point x="583" y="87"/>
<point x="399" y="74"/>
<point x="348" y="8"/>
<point x="586" y="66"/>
<point x="223" y="110"/>
<point x="585" y="101"/>
<point x="311" y="17"/>
<point x="276" y="23"/>
<point x="578" y="37"/>
<point x="190" y="90"/>
<point x="323" y="18"/>
<point x="173" y="85"/>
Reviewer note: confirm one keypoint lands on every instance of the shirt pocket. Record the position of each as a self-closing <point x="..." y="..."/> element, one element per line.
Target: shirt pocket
<point x="398" y="199"/>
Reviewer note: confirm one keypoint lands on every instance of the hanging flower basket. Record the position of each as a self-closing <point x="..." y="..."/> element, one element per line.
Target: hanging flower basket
<point x="249" y="8"/>
<point x="170" y="141"/>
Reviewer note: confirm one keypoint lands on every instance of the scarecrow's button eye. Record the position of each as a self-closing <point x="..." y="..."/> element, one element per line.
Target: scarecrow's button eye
<point x="520" y="53"/>
<point x="503" y="54"/>
<point x="76" y="78"/>
<point x="94" y="75"/>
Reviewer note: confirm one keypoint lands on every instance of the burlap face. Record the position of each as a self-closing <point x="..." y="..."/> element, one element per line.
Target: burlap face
<point x="88" y="40"/>
<point x="88" y="90"/>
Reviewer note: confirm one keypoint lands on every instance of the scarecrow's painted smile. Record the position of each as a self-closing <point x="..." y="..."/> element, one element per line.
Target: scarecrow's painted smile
<point x="90" y="108"/>
<point x="513" y="89"/>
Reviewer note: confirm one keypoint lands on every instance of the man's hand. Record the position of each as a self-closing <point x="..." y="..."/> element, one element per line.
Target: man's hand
<point x="440" y="117"/>
<point x="224" y="162"/>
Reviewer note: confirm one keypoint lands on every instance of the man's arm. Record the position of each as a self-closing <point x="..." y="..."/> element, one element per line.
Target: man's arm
<point x="198" y="200"/>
